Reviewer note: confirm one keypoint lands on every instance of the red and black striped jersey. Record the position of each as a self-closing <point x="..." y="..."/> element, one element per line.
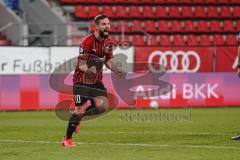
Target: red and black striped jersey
<point x="92" y="46"/>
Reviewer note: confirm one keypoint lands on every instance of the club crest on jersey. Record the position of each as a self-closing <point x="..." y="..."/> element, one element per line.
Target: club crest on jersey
<point x="107" y="49"/>
<point x="81" y="50"/>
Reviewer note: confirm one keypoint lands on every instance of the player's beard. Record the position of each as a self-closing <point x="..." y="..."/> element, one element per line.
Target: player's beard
<point x="104" y="33"/>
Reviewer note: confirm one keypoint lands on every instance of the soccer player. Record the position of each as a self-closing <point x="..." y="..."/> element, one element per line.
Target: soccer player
<point x="238" y="72"/>
<point x="95" y="50"/>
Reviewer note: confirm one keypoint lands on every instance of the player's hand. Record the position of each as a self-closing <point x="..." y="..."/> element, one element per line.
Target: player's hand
<point x="91" y="73"/>
<point x="92" y="70"/>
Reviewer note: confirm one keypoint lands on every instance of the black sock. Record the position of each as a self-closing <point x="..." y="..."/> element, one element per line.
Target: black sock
<point x="73" y="122"/>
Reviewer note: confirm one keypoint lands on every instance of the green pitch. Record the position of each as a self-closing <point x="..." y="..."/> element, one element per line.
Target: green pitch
<point x="167" y="134"/>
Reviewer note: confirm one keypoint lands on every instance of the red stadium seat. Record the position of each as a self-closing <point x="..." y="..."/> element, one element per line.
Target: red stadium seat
<point x="136" y="25"/>
<point x="192" y="40"/>
<point x="179" y="40"/>
<point x="224" y="1"/>
<point x="148" y="12"/>
<point x="81" y="11"/>
<point x="147" y="1"/>
<point x="213" y="1"/>
<point x="127" y="26"/>
<point x="238" y="25"/>
<point x="165" y="40"/>
<point x="154" y="1"/>
<point x="146" y="39"/>
<point x="134" y="1"/>
<point x="205" y="39"/>
<point x="115" y="38"/>
<point x="218" y="39"/>
<point x="149" y="26"/>
<point x="228" y="25"/>
<point x="154" y="40"/>
<point x="176" y="26"/>
<point x="199" y="11"/>
<point x="161" y="11"/>
<point x="106" y="1"/>
<point x="91" y="1"/>
<point x="212" y="11"/>
<point x="199" y="1"/>
<point x="128" y="38"/>
<point x="189" y="26"/>
<point x="231" y="39"/>
<point x="138" y="40"/>
<point x="174" y="11"/>
<point x="187" y="11"/>
<point x="225" y="11"/>
<point x="215" y="26"/>
<point x="186" y="1"/>
<point x="118" y="1"/>
<point x="235" y="1"/>
<point x="115" y="27"/>
<point x="93" y="11"/>
<point x="134" y="11"/>
<point x="121" y="24"/>
<point x="4" y="42"/>
<point x="108" y="10"/>
<point x="236" y="11"/>
<point x="123" y="38"/>
<point x="173" y="1"/>
<point x="163" y="26"/>
<point x="2" y="36"/>
<point x="202" y="26"/>
<point x="121" y="12"/>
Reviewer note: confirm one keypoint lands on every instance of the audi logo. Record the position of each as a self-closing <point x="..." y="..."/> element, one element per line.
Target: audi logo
<point x="175" y="61"/>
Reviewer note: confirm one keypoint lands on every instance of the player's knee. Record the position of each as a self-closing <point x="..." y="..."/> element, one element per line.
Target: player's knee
<point x="102" y="104"/>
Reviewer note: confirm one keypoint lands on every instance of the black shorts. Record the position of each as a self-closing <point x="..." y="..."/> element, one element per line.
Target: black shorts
<point x="84" y="92"/>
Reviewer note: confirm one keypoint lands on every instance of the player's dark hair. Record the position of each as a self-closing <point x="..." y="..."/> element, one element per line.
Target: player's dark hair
<point x="98" y="18"/>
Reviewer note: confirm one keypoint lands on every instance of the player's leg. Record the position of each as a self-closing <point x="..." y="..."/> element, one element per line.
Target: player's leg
<point x="74" y="120"/>
<point x="100" y="101"/>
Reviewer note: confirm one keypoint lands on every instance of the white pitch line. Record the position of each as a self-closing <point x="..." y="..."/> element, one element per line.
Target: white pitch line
<point x="126" y="144"/>
<point x="144" y="132"/>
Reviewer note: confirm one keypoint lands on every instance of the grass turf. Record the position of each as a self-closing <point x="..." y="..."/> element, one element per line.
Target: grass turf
<point x="173" y="134"/>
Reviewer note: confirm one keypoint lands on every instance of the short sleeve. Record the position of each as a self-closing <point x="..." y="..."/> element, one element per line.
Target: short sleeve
<point x="83" y="49"/>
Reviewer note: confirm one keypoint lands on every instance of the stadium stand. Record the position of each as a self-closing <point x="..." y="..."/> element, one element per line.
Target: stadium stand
<point x="11" y="27"/>
<point x="169" y="22"/>
<point x="166" y="22"/>
<point x="192" y="40"/>
<point x="4" y="41"/>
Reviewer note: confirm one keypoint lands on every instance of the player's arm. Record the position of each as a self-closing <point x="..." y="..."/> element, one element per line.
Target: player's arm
<point x="82" y="65"/>
<point x="115" y="67"/>
<point x="82" y="61"/>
